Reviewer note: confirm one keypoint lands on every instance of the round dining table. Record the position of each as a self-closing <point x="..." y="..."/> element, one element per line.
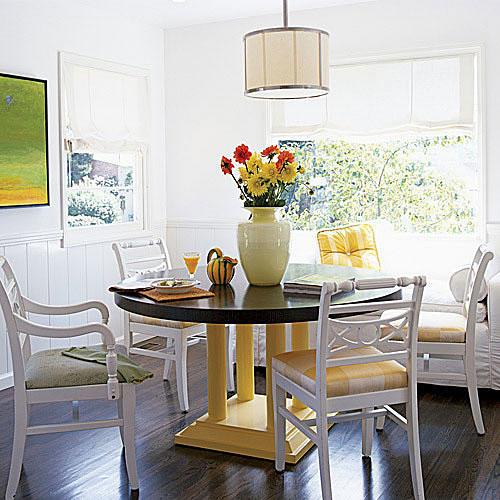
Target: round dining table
<point x="243" y="424"/>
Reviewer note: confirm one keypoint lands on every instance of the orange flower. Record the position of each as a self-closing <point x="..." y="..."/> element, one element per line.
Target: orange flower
<point x="242" y="154"/>
<point x="226" y="165"/>
<point x="284" y="157"/>
<point x="270" y="151"/>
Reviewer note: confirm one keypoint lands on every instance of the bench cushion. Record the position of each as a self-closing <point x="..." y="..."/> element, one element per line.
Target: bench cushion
<point x="436" y="326"/>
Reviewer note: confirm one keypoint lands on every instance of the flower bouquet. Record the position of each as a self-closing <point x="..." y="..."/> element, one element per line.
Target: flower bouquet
<point x="263" y="178"/>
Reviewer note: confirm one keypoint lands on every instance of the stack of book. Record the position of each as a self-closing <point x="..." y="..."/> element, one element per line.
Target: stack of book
<point x="310" y="284"/>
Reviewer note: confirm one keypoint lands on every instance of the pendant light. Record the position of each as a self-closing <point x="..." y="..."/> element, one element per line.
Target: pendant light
<point x="287" y="62"/>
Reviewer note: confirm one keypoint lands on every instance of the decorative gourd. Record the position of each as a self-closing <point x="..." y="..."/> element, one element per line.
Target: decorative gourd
<point x="220" y="269"/>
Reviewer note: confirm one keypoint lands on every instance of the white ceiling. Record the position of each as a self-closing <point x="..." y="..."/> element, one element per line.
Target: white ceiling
<point x="169" y="14"/>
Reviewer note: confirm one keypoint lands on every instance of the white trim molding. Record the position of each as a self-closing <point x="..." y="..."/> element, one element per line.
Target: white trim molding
<point x="203" y="223"/>
<point x="23" y="238"/>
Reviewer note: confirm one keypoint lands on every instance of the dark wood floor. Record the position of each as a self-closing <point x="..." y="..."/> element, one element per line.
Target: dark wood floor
<point x="457" y="464"/>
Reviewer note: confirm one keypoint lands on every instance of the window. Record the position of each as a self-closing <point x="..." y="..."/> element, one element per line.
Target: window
<point x="395" y="140"/>
<point x="101" y="188"/>
<point x="106" y="140"/>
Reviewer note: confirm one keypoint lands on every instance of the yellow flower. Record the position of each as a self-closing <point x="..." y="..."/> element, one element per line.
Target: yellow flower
<point x="270" y="172"/>
<point x="257" y="185"/>
<point x="301" y="169"/>
<point x="254" y="163"/>
<point x="288" y="172"/>
<point x="244" y="173"/>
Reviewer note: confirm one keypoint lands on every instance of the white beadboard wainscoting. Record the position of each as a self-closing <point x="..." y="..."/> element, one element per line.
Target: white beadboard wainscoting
<point x="54" y="275"/>
<point x="200" y="235"/>
<point x="188" y="235"/>
<point x="435" y="255"/>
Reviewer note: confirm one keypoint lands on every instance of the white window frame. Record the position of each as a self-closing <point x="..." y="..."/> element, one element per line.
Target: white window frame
<point x="141" y="227"/>
<point x="478" y="52"/>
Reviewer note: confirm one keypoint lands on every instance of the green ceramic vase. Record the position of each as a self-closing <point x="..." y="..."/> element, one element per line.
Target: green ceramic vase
<point x="264" y="246"/>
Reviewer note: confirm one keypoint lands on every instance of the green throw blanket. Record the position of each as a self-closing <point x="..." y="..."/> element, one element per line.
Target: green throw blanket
<point x="128" y="371"/>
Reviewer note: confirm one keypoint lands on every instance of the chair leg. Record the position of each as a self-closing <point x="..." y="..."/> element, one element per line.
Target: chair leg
<point x="279" y="401"/>
<point x="380" y="423"/>
<point x="119" y="404"/>
<point x="324" y="459"/>
<point x="128" y="395"/>
<point x="471" y="377"/>
<point x="168" y="362"/>
<point x="367" y="434"/>
<point x="414" y="450"/>
<point x="229" y="360"/>
<point x="128" y="336"/>
<point x="16" y="463"/>
<point x="75" y="410"/>
<point x="181" y="372"/>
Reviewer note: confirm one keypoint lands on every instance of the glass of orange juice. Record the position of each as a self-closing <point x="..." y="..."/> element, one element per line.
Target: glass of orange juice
<point x="191" y="260"/>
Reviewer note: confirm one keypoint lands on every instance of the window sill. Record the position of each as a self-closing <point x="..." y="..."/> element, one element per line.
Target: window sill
<point x="78" y="236"/>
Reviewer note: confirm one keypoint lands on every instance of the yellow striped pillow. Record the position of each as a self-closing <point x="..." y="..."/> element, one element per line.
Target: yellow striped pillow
<point x="352" y="246"/>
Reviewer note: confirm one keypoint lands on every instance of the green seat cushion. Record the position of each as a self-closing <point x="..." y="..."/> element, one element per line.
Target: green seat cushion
<point x="48" y="369"/>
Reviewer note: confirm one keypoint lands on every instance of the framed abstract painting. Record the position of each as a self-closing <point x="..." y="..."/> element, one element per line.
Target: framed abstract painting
<point x="24" y="172"/>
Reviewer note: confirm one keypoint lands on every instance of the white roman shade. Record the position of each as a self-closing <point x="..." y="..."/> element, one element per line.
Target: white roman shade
<point x="107" y="107"/>
<point x="387" y="98"/>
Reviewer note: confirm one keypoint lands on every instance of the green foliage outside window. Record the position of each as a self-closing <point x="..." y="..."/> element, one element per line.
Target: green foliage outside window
<point x="94" y="204"/>
<point x="100" y="189"/>
<point x="395" y="181"/>
<point x="80" y="166"/>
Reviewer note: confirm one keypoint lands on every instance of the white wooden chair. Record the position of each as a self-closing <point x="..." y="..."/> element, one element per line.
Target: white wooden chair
<point x="155" y="259"/>
<point x="37" y="380"/>
<point x="350" y="376"/>
<point x="444" y="335"/>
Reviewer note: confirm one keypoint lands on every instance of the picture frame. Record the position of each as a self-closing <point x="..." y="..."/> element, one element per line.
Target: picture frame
<point x="24" y="145"/>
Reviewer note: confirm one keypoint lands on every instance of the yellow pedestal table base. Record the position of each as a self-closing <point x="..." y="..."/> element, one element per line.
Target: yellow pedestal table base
<point x="244" y="431"/>
<point x="244" y="424"/>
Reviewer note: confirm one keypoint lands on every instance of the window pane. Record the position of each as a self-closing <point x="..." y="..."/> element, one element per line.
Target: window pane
<point x="425" y="185"/>
<point x="101" y="188"/>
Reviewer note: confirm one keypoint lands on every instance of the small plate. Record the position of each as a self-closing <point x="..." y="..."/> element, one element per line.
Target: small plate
<point x="174" y="285"/>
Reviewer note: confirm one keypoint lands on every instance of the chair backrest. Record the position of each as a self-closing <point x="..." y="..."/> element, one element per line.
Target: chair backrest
<point x="141" y="257"/>
<point x="353" y="246"/>
<point x="475" y="277"/>
<point x="11" y="302"/>
<point x="353" y="330"/>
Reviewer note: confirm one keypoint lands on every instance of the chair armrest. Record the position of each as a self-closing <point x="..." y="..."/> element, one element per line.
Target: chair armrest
<point x="37" y="308"/>
<point x="30" y="328"/>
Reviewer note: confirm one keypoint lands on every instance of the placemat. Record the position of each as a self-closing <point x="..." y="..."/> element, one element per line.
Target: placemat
<point x="194" y="293"/>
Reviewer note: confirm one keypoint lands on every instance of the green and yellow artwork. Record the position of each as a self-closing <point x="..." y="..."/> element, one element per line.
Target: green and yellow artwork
<point x="23" y="142"/>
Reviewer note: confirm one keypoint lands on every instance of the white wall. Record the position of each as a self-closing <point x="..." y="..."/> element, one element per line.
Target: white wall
<point x="207" y="114"/>
<point x="31" y="34"/>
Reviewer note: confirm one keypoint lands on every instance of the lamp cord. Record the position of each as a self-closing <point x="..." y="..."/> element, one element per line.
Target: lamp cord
<point x="285" y="13"/>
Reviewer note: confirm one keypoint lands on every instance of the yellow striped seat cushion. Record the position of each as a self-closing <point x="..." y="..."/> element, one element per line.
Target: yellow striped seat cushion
<point x="352" y="246"/>
<point x="300" y="367"/>
<point x="137" y="318"/>
<point x="434" y="326"/>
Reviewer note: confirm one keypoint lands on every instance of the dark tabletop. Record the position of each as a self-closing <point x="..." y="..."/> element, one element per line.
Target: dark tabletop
<point x="241" y="303"/>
